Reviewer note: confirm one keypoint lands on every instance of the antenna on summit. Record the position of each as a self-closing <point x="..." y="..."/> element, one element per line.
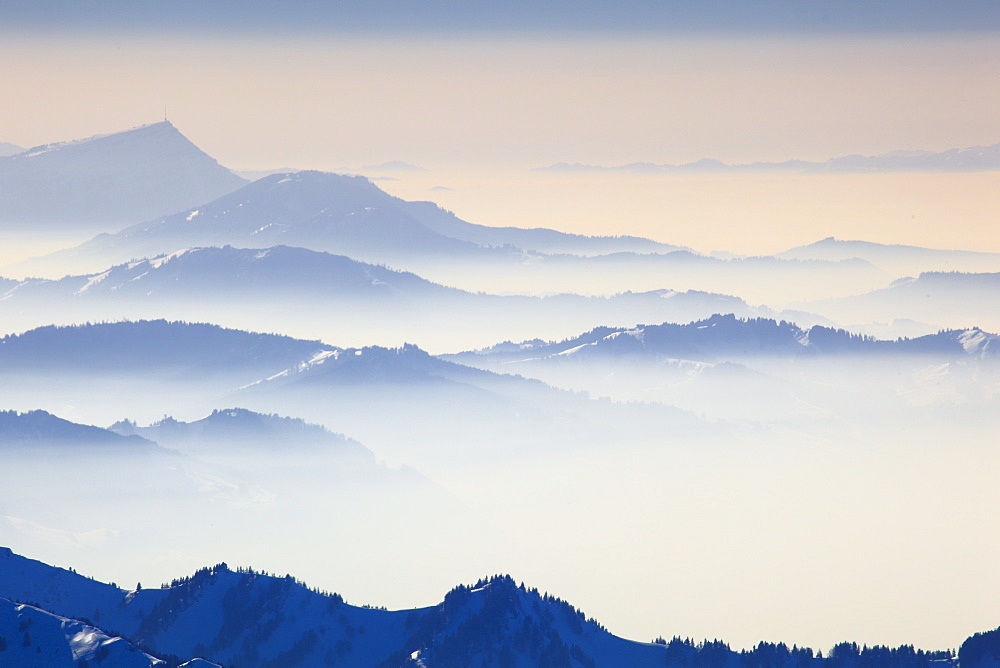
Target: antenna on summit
<point x="165" y="113"/>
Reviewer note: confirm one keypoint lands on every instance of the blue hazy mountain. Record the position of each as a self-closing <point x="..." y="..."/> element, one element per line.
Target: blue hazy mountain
<point x="148" y="347"/>
<point x="139" y="370"/>
<point x="41" y="429"/>
<point x="289" y="457"/>
<point x="941" y="300"/>
<point x="228" y="271"/>
<point x="350" y="215"/>
<point x="248" y="618"/>
<point x="244" y="432"/>
<point x="898" y="259"/>
<point x="972" y="159"/>
<point x="307" y="293"/>
<point x="723" y="337"/>
<point x="108" y="181"/>
<point x="144" y="368"/>
<point x="7" y="148"/>
<point x="443" y="412"/>
<point x="336" y="213"/>
<point x="762" y="369"/>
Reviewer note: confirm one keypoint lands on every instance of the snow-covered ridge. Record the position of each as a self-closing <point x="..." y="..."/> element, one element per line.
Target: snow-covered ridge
<point x="248" y="618"/>
<point x="55" y="146"/>
<point x="103" y="182"/>
<point x="35" y="637"/>
<point x="726" y="336"/>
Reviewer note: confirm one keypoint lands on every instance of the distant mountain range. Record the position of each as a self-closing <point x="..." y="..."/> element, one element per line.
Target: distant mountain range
<point x="239" y="428"/>
<point x="108" y="181"/>
<point x="38" y="428"/>
<point x="938" y="299"/>
<point x="307" y="293"/>
<point x="349" y="215"/>
<point x="340" y="214"/>
<point x="118" y="370"/>
<point x="897" y="259"/>
<point x="726" y="337"/>
<point x="9" y="149"/>
<point x="973" y="159"/>
<point x="152" y="347"/>
<point x="252" y="619"/>
<point x="760" y="369"/>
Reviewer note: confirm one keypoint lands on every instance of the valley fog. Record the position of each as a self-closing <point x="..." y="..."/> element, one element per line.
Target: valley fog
<point x="310" y="374"/>
<point x="560" y="487"/>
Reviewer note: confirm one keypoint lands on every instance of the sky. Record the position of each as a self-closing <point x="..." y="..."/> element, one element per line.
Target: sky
<point x="481" y="93"/>
<point x="325" y="85"/>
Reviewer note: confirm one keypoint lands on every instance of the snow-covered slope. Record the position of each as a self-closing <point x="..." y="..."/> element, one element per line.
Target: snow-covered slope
<point x="31" y="637"/>
<point x="104" y="182"/>
<point x="250" y="619"/>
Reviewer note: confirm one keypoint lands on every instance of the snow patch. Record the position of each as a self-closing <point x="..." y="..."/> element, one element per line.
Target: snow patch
<point x="92" y="282"/>
<point x="84" y="642"/>
<point x="156" y="263"/>
<point x="973" y="340"/>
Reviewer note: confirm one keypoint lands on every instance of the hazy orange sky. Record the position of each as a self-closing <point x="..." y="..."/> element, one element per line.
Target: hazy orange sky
<point x="479" y="111"/>
<point x="351" y="101"/>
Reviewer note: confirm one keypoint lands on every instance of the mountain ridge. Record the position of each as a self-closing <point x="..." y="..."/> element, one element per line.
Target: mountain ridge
<point x="973" y="158"/>
<point x="215" y="613"/>
<point x="725" y="335"/>
<point x="106" y="181"/>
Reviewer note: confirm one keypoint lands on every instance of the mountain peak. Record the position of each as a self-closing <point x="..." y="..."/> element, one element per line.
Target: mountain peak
<point x="160" y="129"/>
<point x="110" y="179"/>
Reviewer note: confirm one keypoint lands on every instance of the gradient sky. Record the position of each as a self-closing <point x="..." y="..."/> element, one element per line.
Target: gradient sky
<point x="335" y="84"/>
<point x="479" y="93"/>
<point x="339" y="16"/>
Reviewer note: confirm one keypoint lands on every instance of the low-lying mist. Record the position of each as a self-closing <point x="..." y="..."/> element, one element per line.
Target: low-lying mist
<point x="865" y="475"/>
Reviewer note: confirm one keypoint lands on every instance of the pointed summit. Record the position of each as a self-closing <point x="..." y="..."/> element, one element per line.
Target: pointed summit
<point x="106" y="181"/>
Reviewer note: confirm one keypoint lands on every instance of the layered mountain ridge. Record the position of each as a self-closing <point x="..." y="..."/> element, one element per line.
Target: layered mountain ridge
<point x="970" y="159"/>
<point x="727" y="337"/>
<point x="249" y="618"/>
